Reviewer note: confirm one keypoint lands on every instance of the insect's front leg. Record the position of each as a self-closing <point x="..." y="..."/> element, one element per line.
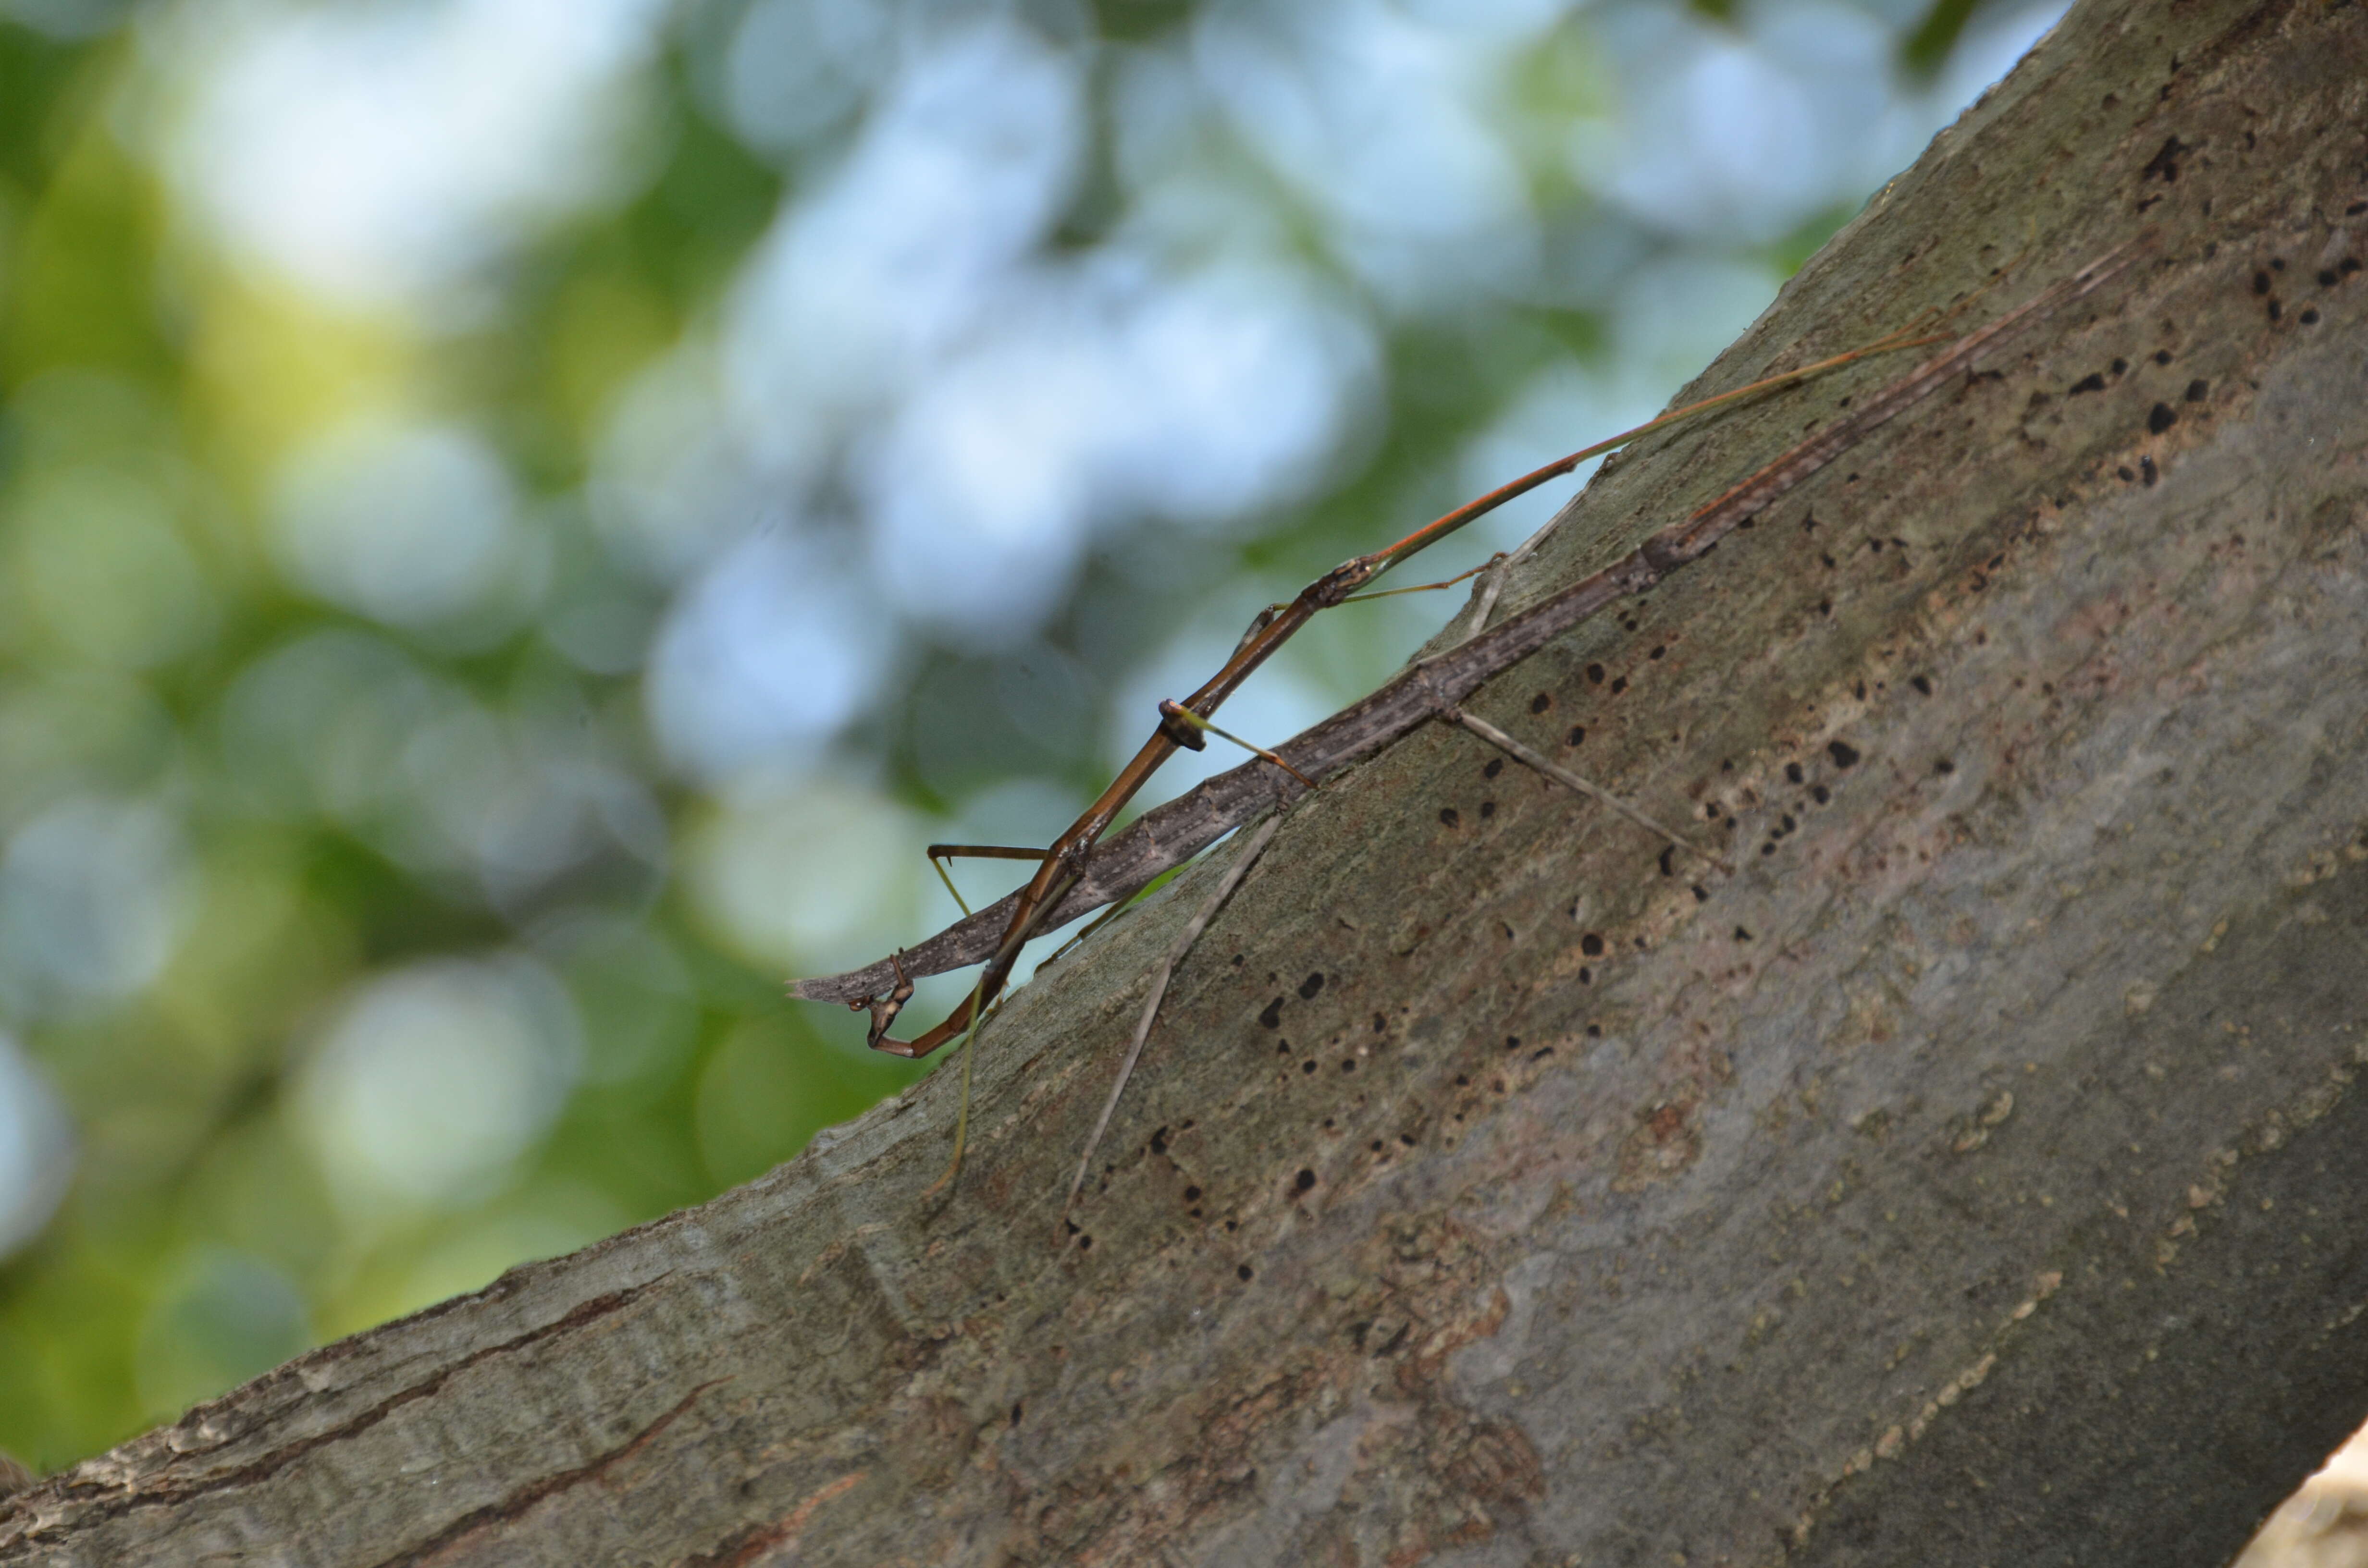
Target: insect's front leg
<point x="884" y="1010"/>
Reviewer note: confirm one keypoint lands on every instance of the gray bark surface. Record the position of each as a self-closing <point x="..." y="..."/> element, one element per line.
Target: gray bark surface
<point x="1980" y="1175"/>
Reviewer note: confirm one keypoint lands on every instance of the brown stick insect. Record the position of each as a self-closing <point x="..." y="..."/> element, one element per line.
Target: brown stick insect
<point x="1079" y="872"/>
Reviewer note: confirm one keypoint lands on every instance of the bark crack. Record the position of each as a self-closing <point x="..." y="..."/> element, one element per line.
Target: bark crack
<point x="744" y="1546"/>
<point x="103" y="1506"/>
<point x="477" y="1521"/>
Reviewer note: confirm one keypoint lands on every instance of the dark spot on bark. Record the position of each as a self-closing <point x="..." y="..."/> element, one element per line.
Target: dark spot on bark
<point x="1591" y="945"/>
<point x="2147" y="472"/>
<point x="1820" y="794"/>
<point x="1709" y="809"/>
<point x="2260" y="282"/>
<point x="1595" y="674"/>
<point x="1702" y="893"/>
<point x="2277" y="264"/>
<point x="1448" y="815"/>
<point x="1944" y="765"/>
<point x="1667" y="852"/>
<point x="1191" y="1194"/>
<point x="2088" y="383"/>
<point x="2277" y="312"/>
<point x="1595" y="1031"/>
<point x="1381" y="1022"/>
<point x="1577" y="733"/>
<point x="2309" y="317"/>
<point x="1160" y="1142"/>
<point x="2162" y="355"/>
<point x="1824" y="606"/>
<point x="2121" y="366"/>
<point x="1487" y="810"/>
<point x="1658" y="651"/>
<point x="1741" y="935"/>
<point x="1844" y="754"/>
<point x="2349" y="264"/>
<point x="2160" y="418"/>
<point x="1084" y="1244"/>
<point x="1619" y="685"/>
<point x="1786" y="823"/>
<point x="1310" y="987"/>
<point x="1496" y="765"/>
<point x="2198" y="390"/>
<point x="1272" y="1016"/>
<point x="1305" y="1180"/>
<point x="1768" y="848"/>
<point x="2326" y="277"/>
<point x="1461" y="1082"/>
<point x="1585" y="975"/>
<point x="1512" y="1042"/>
<point x="1308" y="1067"/>
<point x="1541" y="703"/>
<point x="1015" y="1412"/>
<point x="1244" y="1271"/>
<point x="1923" y="685"/>
<point x="1792" y="772"/>
<point x="2126" y="472"/>
<point x="2165" y="161"/>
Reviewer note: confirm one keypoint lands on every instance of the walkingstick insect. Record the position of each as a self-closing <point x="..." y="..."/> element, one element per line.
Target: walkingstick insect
<point x="1079" y="872"/>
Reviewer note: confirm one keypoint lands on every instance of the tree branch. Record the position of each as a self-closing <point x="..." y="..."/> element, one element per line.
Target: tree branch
<point x="1973" y="1178"/>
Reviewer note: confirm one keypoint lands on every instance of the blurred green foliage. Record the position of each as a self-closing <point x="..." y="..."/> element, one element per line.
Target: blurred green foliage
<point x="152" y="392"/>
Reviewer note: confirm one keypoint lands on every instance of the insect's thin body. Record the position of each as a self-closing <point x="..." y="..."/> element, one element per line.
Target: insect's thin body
<point x="1064" y="859"/>
<point x="1433" y="688"/>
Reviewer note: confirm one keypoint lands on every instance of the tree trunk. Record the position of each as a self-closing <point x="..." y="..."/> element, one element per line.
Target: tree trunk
<point x="1975" y="1176"/>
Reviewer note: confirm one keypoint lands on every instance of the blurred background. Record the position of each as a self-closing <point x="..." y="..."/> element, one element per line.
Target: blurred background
<point x="519" y="518"/>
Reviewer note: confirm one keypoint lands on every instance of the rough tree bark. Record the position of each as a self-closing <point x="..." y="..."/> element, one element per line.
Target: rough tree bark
<point x="1977" y="1176"/>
